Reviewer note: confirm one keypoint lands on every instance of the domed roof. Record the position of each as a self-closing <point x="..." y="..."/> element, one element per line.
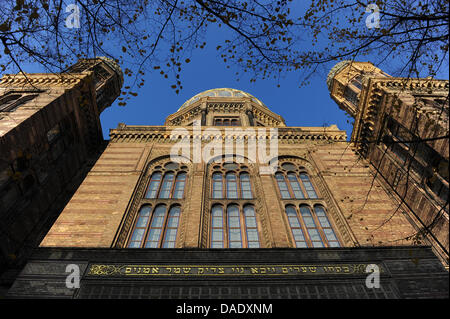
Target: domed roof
<point x="220" y="92"/>
<point x="335" y="69"/>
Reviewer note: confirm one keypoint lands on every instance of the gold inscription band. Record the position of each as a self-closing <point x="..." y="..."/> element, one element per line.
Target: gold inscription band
<point x="226" y="270"/>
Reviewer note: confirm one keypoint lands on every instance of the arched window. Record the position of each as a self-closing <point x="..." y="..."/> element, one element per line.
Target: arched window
<point x="217" y="238"/>
<point x="231" y="181"/>
<point x="156" y="224"/>
<point x="311" y="228"/>
<point x="171" y="227"/>
<point x="293" y="183"/>
<point x="155" y="228"/>
<point x="217" y="186"/>
<point x="296" y="229"/>
<point x="140" y="227"/>
<point x="166" y="185"/>
<point x="153" y="186"/>
<point x="328" y="231"/>
<point x="231" y="185"/>
<point x="251" y="227"/>
<point x="246" y="189"/>
<point x="12" y="100"/>
<point x="179" y="185"/>
<point x="236" y="228"/>
<point x="308" y="186"/>
<point x="233" y="216"/>
<point x="282" y="186"/>
<point x="171" y="186"/>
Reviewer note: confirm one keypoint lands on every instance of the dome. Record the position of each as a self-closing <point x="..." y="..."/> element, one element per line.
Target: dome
<point x="335" y="69"/>
<point x="222" y="92"/>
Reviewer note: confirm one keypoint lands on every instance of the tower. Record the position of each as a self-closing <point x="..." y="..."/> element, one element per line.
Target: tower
<point x="50" y="135"/>
<point x="401" y="128"/>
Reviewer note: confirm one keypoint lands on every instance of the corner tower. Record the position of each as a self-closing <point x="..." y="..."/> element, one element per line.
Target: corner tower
<point x="50" y="135"/>
<point x="401" y="128"/>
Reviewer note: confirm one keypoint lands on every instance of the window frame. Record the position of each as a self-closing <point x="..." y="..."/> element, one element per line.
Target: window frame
<point x="317" y="226"/>
<point x="148" y="226"/>
<point x="243" y="227"/>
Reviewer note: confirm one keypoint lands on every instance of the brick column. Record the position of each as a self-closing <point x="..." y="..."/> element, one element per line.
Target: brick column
<point x="194" y="213"/>
<point x="278" y="227"/>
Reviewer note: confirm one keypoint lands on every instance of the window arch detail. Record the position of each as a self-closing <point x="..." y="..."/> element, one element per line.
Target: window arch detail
<point x="158" y="207"/>
<point x="167" y="184"/>
<point x="294" y="183"/>
<point x="235" y="218"/>
<point x="306" y="203"/>
<point x="231" y="181"/>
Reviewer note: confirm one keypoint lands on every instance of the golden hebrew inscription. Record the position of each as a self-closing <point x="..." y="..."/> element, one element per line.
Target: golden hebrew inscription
<point x="226" y="270"/>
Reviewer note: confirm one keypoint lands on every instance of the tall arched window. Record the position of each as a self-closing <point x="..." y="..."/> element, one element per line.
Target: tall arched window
<point x="251" y="227"/>
<point x="217" y="186"/>
<point x="217" y="238"/>
<point x="308" y="186"/>
<point x="140" y="227"/>
<point x="311" y="228"/>
<point x="295" y="185"/>
<point x="155" y="228"/>
<point x="282" y="186"/>
<point x="166" y="185"/>
<point x="234" y="219"/>
<point x="153" y="186"/>
<point x="236" y="227"/>
<point x="296" y="229"/>
<point x="179" y="185"/>
<point x="232" y="191"/>
<point x="305" y="212"/>
<point x="157" y="221"/>
<point x="246" y="189"/>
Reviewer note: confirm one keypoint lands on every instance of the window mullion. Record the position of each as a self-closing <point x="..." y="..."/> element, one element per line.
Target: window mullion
<point x="288" y="184"/>
<point x="174" y="183"/>
<point x="303" y="227"/>
<point x="319" y="227"/>
<point x="147" y="227"/>
<point x="164" y="227"/>
<point x="225" y="226"/>
<point x="243" y="227"/>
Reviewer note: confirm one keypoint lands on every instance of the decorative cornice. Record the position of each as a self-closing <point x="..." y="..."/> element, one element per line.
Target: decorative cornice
<point x="162" y="134"/>
<point x="43" y="79"/>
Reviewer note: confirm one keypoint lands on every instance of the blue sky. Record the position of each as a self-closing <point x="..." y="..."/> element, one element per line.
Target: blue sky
<point x="306" y="106"/>
<point x="309" y="105"/>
